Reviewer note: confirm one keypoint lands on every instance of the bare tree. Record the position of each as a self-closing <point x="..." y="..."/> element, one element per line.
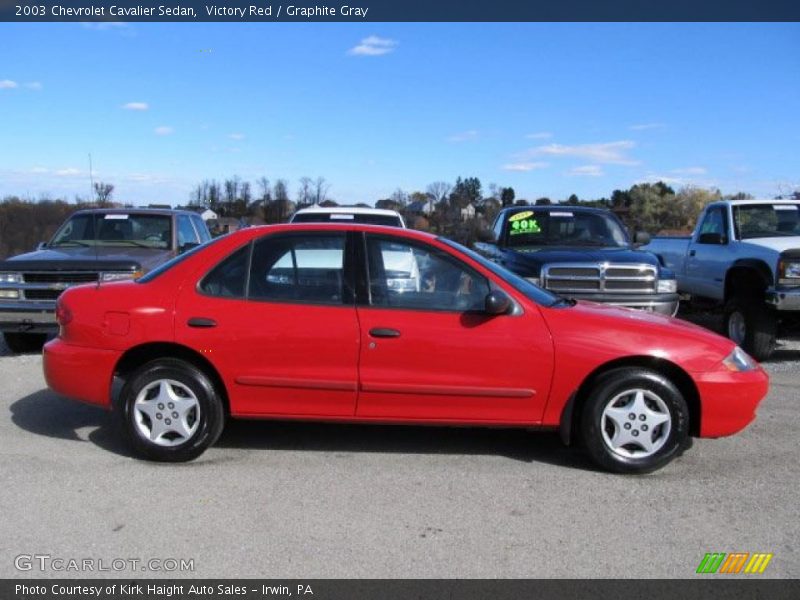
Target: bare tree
<point x="103" y="192"/>
<point x="304" y="194"/>
<point x="280" y="195"/>
<point x="321" y="188"/>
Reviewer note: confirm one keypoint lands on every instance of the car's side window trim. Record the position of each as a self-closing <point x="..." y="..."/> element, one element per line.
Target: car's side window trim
<point x="433" y="250"/>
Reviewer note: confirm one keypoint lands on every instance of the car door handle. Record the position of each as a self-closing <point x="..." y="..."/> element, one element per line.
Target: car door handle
<point x="384" y="332"/>
<point x="201" y="322"/>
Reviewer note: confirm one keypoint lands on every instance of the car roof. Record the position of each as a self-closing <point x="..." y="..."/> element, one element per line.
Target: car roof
<point x="348" y="226"/>
<point x="349" y="210"/>
<point x="134" y="210"/>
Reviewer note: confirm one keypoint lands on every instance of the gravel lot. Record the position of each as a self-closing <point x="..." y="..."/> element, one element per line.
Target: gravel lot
<point x="309" y="500"/>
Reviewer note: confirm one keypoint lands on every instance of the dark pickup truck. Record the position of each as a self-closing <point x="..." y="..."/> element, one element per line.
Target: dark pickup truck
<point x="581" y="253"/>
<point x="92" y="246"/>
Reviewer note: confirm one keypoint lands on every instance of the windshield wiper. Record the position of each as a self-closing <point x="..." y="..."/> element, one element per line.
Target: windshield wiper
<point x="67" y="242"/>
<point x="562" y="301"/>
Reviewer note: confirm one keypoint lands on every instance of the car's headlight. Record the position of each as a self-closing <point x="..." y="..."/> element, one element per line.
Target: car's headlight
<point x="120" y="276"/>
<point x="739" y="361"/>
<point x="10" y="277"/>
<point x="789" y="272"/>
<point x="9" y="294"/>
<point x="667" y="286"/>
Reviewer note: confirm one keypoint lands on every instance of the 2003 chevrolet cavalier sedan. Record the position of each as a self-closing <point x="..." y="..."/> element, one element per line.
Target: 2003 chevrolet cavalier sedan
<point x="374" y="324"/>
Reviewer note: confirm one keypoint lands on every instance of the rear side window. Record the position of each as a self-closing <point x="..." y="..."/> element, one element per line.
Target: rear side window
<point x="299" y="269"/>
<point x="228" y="278"/>
<point x="201" y="228"/>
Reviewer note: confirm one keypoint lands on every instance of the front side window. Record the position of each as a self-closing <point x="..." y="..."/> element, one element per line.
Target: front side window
<point x="298" y="268"/>
<point x="186" y="233"/>
<point x="714" y="222"/>
<point x="411" y="276"/>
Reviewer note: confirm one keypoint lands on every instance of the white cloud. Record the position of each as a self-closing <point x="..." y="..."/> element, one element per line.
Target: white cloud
<point x="524" y="167"/>
<point x="610" y="153"/>
<point x="587" y="171"/>
<point x="164" y="130"/>
<point x="70" y="172"/>
<point x="691" y="171"/>
<point x="136" y="106"/>
<point x="7" y="84"/>
<point x="646" y="126"/>
<point x="373" y="46"/>
<point x="540" y="135"/>
<point x="39" y="170"/>
<point x="464" y="136"/>
<point x="237" y="136"/>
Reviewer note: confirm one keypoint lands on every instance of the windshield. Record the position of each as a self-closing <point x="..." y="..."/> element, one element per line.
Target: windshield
<point x="766" y="220"/>
<point x="115" y="229"/>
<point x="563" y="228"/>
<point x="525" y="287"/>
<point x="339" y="217"/>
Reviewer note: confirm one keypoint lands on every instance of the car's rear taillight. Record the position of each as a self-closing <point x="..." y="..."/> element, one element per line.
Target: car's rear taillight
<point x="63" y="313"/>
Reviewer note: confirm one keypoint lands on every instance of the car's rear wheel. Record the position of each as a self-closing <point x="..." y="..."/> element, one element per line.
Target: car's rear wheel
<point x="634" y="421"/>
<point x="171" y="411"/>
<point x="24" y="342"/>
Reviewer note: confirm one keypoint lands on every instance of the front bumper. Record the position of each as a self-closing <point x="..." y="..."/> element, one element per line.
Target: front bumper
<point x="84" y="374"/>
<point x="28" y="317"/>
<point x="664" y="304"/>
<point x="787" y="299"/>
<point x="728" y="400"/>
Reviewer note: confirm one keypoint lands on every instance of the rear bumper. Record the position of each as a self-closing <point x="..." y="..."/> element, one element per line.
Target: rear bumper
<point x="28" y="317"/>
<point x="84" y="374"/>
<point x="729" y="400"/>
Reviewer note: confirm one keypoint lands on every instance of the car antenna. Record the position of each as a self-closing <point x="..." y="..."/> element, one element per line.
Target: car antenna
<point x="94" y="218"/>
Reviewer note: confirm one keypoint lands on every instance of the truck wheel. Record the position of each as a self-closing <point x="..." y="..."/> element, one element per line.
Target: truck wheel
<point x="25" y="342"/>
<point x="171" y="411"/>
<point x="634" y="421"/>
<point x="749" y="323"/>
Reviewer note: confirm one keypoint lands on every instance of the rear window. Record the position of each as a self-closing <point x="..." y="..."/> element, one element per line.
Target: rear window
<point x="389" y="220"/>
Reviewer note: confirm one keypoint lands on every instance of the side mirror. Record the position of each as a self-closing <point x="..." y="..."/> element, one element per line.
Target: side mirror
<point x="711" y="238"/>
<point x="641" y="238"/>
<point x="497" y="303"/>
<point x="187" y="246"/>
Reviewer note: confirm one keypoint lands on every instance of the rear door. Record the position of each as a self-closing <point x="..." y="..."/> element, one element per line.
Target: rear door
<point x="277" y="318"/>
<point x="428" y="352"/>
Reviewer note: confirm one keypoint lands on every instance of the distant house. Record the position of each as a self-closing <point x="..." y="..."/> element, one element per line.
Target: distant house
<point x="419" y="207"/>
<point x="208" y="214"/>
<point x="468" y="212"/>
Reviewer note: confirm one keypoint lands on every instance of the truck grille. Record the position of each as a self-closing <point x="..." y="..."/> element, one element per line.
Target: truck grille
<point x="42" y="294"/>
<point x="603" y="278"/>
<point x="60" y="277"/>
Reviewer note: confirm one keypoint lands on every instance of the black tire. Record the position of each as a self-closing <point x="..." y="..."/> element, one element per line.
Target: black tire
<point x="760" y="326"/>
<point x="658" y="392"/>
<point x="187" y="383"/>
<point x="24" y="342"/>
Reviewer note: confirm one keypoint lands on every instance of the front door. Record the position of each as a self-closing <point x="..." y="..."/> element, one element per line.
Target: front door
<point x="429" y="352"/>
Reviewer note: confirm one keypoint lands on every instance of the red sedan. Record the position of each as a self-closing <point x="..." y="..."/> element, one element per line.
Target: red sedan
<point x="371" y="324"/>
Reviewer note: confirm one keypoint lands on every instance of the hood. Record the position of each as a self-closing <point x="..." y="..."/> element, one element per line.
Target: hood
<point x="69" y="258"/>
<point x="608" y="332"/>
<point x="532" y="259"/>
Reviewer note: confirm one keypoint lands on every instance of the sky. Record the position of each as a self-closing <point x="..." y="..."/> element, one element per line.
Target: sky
<point x="548" y="109"/>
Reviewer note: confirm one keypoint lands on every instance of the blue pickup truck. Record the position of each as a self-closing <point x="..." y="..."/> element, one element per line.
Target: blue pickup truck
<point x="743" y="256"/>
<point x="581" y="253"/>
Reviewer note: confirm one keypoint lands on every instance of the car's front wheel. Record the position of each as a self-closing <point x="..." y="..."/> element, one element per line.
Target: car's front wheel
<point x="634" y="421"/>
<point x="171" y="411"/>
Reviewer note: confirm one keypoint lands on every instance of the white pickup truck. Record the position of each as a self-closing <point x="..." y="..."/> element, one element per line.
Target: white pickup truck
<point x="744" y="255"/>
